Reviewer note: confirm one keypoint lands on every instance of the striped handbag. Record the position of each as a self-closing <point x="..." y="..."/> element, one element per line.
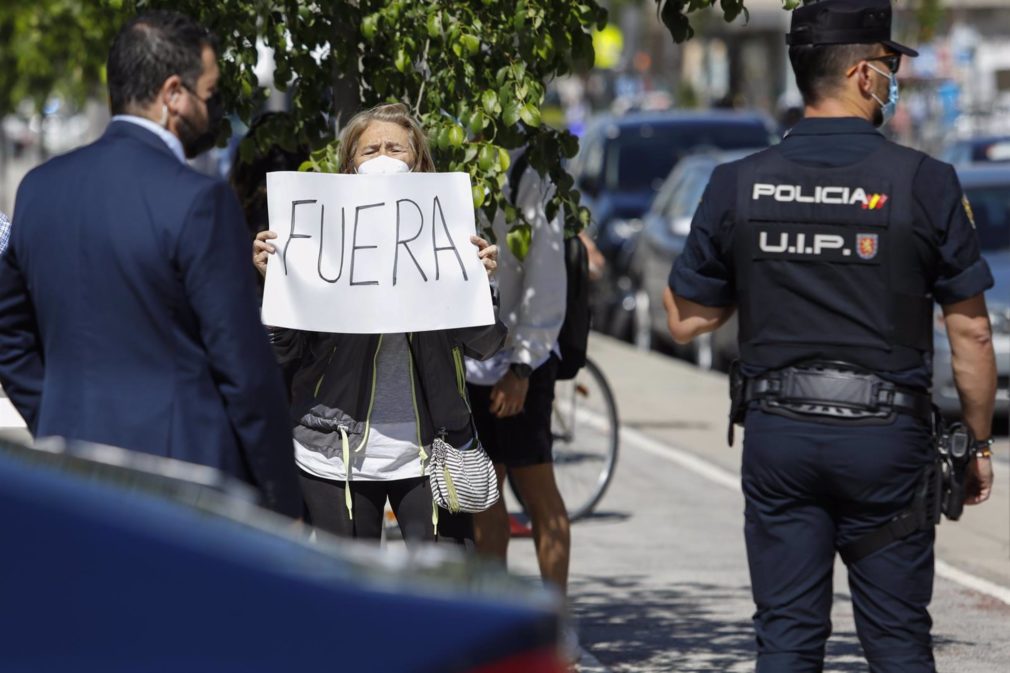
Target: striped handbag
<point x="462" y="480"/>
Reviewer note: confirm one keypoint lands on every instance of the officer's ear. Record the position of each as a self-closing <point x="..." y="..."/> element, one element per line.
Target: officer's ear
<point x="864" y="76"/>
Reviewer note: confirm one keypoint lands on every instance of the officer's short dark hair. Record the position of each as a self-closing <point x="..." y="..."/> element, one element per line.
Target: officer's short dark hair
<point x="149" y="49"/>
<point x="820" y="69"/>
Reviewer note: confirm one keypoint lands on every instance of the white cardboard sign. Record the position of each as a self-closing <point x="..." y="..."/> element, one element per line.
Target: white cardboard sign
<point x="374" y="254"/>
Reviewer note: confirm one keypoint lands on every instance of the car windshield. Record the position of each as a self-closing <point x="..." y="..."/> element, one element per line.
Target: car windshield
<point x="685" y="200"/>
<point x="640" y="157"/>
<point x="991" y="209"/>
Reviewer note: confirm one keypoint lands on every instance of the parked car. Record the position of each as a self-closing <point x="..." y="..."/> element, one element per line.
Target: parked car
<point x="981" y="149"/>
<point x="665" y="231"/>
<point x="987" y="188"/>
<point x="116" y="561"/>
<point x="622" y="163"/>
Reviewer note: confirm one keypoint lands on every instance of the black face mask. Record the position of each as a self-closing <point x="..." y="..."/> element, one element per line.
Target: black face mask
<point x="196" y="141"/>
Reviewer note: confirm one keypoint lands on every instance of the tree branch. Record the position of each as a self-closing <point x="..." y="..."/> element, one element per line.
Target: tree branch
<point x="420" y="92"/>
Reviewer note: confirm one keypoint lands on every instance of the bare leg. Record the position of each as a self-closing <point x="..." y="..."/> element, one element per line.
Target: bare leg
<point x="491" y="527"/>
<point x="551" y="532"/>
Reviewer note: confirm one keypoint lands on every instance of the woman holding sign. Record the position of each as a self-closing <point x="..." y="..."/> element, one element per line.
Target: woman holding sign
<point x="367" y="407"/>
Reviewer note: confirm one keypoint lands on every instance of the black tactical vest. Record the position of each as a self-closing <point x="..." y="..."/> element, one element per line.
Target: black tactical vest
<point x="825" y="262"/>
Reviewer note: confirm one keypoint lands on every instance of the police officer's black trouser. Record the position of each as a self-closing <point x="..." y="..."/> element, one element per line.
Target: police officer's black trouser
<point x="810" y="488"/>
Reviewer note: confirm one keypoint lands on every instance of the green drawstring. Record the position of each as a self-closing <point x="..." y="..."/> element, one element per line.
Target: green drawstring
<point x="413" y="398"/>
<point x="457" y="359"/>
<point x="453" y="498"/>
<point x="417" y="423"/>
<point x="346" y="446"/>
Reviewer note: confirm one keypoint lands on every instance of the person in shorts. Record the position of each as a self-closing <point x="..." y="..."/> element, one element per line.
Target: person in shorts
<point x="512" y="393"/>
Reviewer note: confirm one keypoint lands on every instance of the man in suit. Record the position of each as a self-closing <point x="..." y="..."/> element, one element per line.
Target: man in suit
<point x="127" y="310"/>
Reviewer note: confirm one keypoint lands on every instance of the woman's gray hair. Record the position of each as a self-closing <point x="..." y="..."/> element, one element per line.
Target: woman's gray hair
<point x="394" y="113"/>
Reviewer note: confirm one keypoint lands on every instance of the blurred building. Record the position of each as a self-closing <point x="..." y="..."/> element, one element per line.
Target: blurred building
<point x="959" y="86"/>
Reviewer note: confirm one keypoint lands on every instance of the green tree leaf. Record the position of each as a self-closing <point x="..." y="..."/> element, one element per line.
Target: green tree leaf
<point x="455" y="136"/>
<point x="504" y="160"/>
<point x="478" y="195"/>
<point x="471" y="43"/>
<point x="370" y="26"/>
<point x="476" y="122"/>
<point x="435" y="25"/>
<point x="530" y="115"/>
<point x="402" y="60"/>
<point x="487" y="157"/>
<point x="510" y="113"/>
<point x="518" y="241"/>
<point x="489" y="99"/>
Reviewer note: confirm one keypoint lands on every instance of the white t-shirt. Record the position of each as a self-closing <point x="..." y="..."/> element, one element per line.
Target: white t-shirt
<point x="533" y="292"/>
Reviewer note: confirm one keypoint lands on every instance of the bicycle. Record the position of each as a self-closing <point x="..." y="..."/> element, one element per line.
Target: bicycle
<point x="585" y="428"/>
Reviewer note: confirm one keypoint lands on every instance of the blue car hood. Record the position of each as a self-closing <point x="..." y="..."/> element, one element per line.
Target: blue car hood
<point x="628" y="205"/>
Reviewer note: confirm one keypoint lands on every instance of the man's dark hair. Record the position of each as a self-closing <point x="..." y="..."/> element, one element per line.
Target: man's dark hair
<point x="148" y="50"/>
<point x="820" y="69"/>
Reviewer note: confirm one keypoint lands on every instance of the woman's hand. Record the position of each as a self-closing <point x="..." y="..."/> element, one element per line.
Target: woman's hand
<point x="487" y="253"/>
<point x="261" y="249"/>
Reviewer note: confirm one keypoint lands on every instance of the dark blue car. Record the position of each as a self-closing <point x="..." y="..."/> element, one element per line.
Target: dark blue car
<point x="120" y="562"/>
<point x="622" y="163"/>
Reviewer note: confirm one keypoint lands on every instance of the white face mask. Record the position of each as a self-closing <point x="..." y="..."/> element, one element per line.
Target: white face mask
<point x="383" y="165"/>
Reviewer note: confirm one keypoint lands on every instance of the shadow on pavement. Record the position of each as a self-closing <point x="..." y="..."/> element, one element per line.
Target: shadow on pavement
<point x="606" y="517"/>
<point x="631" y="625"/>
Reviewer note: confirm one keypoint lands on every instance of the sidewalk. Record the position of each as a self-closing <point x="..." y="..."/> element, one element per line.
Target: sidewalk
<point x="659" y="577"/>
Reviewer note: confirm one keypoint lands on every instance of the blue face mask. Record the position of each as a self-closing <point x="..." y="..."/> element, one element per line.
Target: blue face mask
<point x="887" y="109"/>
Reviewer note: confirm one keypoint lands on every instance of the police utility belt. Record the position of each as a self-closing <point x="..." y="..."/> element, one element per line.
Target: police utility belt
<point x="826" y="392"/>
<point x="834" y="392"/>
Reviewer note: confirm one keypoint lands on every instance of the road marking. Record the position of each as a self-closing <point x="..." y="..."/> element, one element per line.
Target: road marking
<point x="685" y="459"/>
<point x="969" y="581"/>
<point x="727" y="479"/>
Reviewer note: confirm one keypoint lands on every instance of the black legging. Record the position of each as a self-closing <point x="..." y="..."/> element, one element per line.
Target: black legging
<point x="409" y="498"/>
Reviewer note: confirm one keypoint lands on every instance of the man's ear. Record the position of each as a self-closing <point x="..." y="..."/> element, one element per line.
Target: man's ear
<point x="864" y="76"/>
<point x="170" y="90"/>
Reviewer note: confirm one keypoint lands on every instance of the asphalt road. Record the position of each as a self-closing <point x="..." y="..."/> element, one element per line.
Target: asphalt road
<point x="659" y="577"/>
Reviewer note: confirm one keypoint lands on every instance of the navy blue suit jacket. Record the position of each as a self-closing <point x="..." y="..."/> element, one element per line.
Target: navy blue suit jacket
<point x="128" y="314"/>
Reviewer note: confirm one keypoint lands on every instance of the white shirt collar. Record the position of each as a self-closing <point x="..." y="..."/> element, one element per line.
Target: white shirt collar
<point x="170" y="139"/>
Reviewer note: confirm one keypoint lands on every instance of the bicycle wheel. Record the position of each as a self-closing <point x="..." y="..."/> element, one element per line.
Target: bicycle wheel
<point x="585" y="427"/>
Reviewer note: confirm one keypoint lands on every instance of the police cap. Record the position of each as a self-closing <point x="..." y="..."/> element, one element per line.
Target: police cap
<point x="844" y="22"/>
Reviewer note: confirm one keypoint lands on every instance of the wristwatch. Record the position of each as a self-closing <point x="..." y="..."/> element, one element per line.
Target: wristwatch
<point x="521" y="370"/>
<point x="982" y="448"/>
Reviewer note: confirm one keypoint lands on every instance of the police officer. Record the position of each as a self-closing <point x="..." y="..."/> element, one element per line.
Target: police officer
<point x="834" y="245"/>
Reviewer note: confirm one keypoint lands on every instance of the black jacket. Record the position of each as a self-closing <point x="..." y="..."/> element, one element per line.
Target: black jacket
<point x="332" y="377"/>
